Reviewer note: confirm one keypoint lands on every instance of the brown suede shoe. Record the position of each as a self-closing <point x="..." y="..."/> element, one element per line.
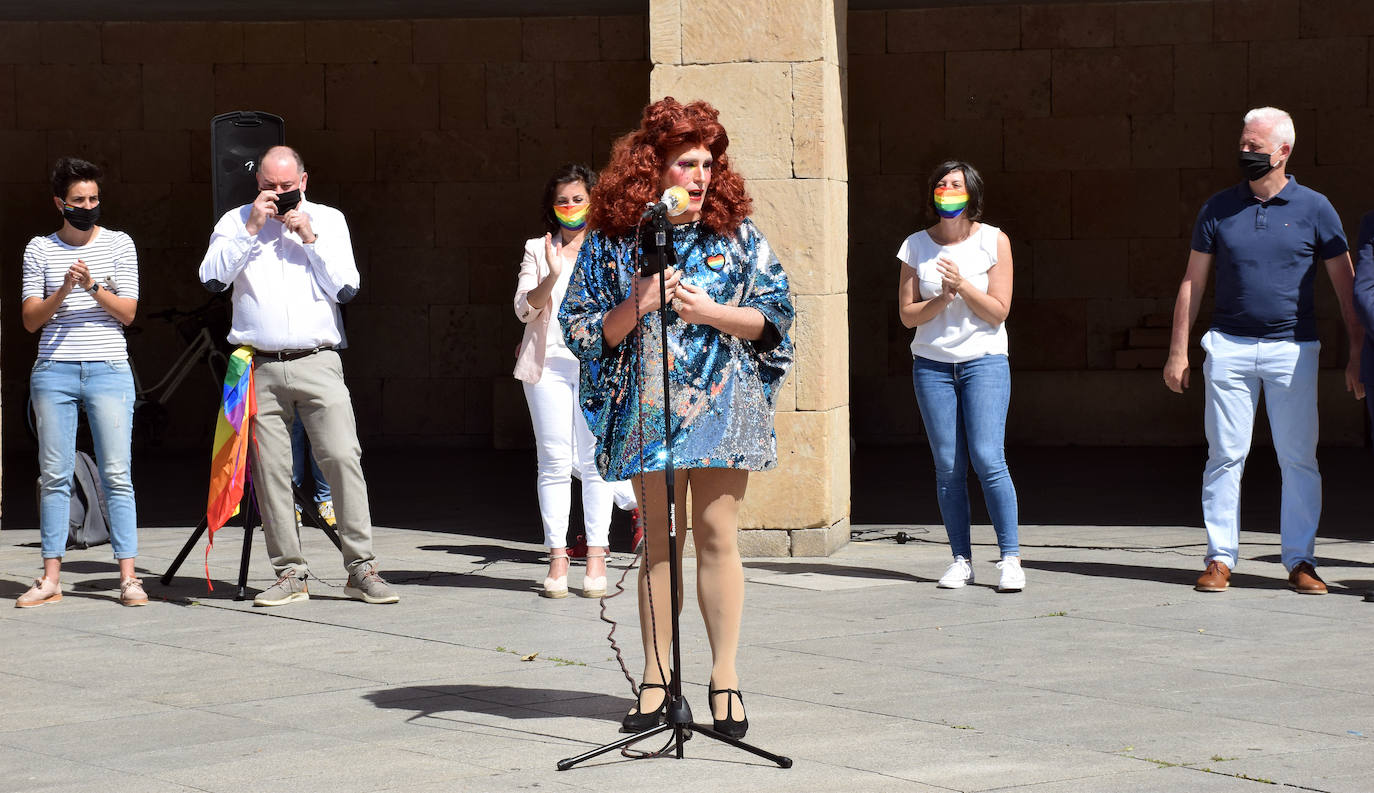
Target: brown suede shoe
<point x="1304" y="580"/>
<point x="1216" y="578"/>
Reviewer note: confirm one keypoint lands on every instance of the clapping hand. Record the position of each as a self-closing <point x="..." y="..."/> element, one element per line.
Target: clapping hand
<point x="78" y="276"/>
<point x="551" y="256"/>
<point x="950" y="279"/>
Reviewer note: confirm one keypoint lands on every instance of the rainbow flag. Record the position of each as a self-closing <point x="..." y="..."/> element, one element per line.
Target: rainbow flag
<point x="949" y="203"/>
<point x="229" y="463"/>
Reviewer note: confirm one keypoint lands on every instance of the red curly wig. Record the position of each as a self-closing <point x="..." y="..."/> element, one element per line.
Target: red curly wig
<point x="638" y="160"/>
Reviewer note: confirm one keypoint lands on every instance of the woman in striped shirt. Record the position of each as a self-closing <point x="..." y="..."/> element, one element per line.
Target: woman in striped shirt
<point x="80" y="290"/>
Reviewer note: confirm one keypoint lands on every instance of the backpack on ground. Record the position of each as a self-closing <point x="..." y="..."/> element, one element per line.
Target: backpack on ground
<point x="89" y="521"/>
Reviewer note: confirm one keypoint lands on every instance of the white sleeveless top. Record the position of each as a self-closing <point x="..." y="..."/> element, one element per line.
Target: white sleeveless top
<point x="956" y="334"/>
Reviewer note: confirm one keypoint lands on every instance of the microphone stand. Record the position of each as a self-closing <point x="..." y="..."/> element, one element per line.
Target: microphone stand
<point x="679" y="713"/>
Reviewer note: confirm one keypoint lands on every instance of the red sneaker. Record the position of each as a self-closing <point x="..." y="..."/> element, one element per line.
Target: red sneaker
<point x="578" y="550"/>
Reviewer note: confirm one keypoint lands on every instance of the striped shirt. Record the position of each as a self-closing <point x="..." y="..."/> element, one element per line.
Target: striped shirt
<point x="81" y="330"/>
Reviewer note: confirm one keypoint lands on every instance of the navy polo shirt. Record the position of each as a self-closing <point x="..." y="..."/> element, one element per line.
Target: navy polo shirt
<point x="1266" y="257"/>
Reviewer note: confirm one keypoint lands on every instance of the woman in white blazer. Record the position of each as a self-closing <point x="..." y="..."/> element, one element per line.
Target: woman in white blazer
<point x="550" y="372"/>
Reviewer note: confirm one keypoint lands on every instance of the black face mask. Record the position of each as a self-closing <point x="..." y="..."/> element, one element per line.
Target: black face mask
<point x="1254" y="165"/>
<point x="82" y="219"/>
<point x="287" y="201"/>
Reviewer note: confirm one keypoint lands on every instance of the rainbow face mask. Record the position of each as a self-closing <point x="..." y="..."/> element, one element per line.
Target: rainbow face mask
<point x="949" y="202"/>
<point x="572" y="217"/>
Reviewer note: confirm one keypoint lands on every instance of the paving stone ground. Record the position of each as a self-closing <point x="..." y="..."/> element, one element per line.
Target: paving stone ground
<point x="1109" y="673"/>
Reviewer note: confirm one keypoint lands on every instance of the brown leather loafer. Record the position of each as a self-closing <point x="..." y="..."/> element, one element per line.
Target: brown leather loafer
<point x="1216" y="578"/>
<point x="1304" y="580"/>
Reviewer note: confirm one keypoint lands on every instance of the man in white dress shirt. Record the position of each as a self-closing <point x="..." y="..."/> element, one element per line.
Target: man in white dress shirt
<point x="290" y="264"/>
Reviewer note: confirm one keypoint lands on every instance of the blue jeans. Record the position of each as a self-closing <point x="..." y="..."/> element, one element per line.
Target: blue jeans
<point x="300" y="449"/>
<point x="106" y="390"/>
<point x="1237" y="368"/>
<point x="964" y="408"/>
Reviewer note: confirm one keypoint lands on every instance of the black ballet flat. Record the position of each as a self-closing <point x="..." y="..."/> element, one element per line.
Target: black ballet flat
<point x="639" y="722"/>
<point x="728" y="726"/>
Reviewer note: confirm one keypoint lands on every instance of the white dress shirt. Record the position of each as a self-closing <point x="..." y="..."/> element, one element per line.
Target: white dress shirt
<point x="286" y="293"/>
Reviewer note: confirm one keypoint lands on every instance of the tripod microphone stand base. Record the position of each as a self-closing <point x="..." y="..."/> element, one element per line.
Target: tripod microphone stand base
<point x="682" y="731"/>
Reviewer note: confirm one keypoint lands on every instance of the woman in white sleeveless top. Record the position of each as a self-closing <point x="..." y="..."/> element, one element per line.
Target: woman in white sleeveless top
<point x="955" y="290"/>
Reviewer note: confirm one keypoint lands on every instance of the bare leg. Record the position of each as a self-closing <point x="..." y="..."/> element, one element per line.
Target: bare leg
<point x="52" y="569"/>
<point x="126" y="569"/>
<point x="596" y="562"/>
<point x="558" y="562"/>
<point x="655" y="626"/>
<point x="716" y="497"/>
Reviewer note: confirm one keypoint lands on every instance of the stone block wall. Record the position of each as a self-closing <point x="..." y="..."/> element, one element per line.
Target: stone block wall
<point x="775" y="71"/>
<point x="433" y="136"/>
<point x="1100" y="129"/>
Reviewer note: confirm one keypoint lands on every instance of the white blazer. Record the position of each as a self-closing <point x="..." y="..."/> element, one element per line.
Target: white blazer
<point x="529" y="361"/>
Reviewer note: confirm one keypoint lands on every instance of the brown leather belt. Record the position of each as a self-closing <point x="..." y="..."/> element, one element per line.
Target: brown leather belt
<point x="288" y="355"/>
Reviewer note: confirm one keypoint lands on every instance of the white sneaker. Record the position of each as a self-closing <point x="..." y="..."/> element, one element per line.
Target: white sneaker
<point x="1013" y="577"/>
<point x="958" y="574"/>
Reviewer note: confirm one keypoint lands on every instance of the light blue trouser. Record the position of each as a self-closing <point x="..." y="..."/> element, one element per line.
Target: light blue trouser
<point x="106" y="390"/>
<point x="964" y="408"/>
<point x="1236" y="370"/>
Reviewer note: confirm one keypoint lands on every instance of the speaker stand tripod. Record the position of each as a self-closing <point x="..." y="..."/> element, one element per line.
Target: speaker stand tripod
<point x="679" y="713"/>
<point x="248" y="508"/>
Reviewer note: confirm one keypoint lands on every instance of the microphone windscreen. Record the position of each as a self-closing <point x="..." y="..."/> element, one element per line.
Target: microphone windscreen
<point x="677" y="199"/>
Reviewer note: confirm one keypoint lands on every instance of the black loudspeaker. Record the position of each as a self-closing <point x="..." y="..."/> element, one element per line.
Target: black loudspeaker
<point x="237" y="141"/>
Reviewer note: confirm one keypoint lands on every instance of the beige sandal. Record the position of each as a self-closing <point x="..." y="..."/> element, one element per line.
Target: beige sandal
<point x="594" y="587"/>
<point x="555" y="587"/>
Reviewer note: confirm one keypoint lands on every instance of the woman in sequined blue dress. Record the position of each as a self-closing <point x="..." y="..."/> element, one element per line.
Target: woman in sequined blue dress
<point x="728" y="316"/>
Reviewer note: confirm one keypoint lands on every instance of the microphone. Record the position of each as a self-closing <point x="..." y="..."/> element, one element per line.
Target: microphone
<point x="673" y="203"/>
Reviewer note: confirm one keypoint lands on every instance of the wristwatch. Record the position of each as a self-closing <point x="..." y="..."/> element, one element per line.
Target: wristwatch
<point x="93" y="288"/>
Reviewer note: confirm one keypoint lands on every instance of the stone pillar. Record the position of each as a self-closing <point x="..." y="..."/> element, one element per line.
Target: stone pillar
<point x="775" y="70"/>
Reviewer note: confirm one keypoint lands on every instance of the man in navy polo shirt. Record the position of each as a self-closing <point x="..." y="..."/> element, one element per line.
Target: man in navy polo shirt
<point x="1265" y="236"/>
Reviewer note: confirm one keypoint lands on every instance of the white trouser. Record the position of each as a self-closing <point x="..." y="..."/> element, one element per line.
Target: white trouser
<point x="566" y="448"/>
<point x="1236" y="370"/>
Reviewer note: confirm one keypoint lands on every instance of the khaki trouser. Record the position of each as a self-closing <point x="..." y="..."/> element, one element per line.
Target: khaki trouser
<point x="312" y="387"/>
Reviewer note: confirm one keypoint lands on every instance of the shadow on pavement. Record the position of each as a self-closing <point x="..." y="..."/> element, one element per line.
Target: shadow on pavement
<point x="1180" y="576"/>
<point x="459" y="580"/>
<point x="508" y="701"/>
<point x="487" y="554"/>
<point x="791" y="568"/>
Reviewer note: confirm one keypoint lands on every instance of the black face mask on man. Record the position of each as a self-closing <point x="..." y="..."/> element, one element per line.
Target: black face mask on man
<point x="287" y="201"/>
<point x="1254" y="165"/>
<point x="81" y="218"/>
